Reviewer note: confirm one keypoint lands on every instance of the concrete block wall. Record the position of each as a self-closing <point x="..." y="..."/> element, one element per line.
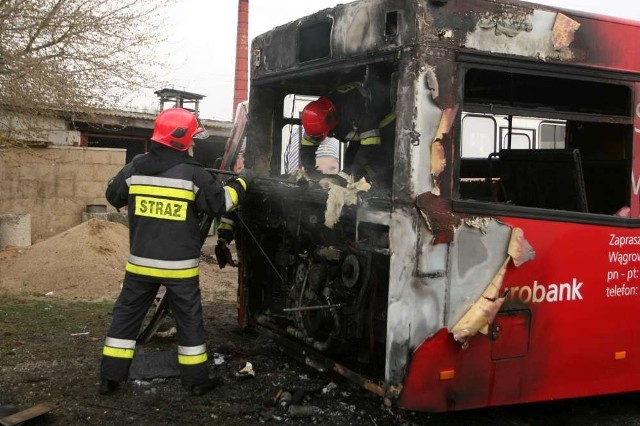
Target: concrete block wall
<point x="55" y="184"/>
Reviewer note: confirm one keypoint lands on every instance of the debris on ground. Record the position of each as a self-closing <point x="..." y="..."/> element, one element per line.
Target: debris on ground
<point x="10" y="415"/>
<point x="246" y="372"/>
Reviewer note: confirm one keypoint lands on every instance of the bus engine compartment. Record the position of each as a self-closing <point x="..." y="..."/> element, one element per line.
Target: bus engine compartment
<point x="326" y="288"/>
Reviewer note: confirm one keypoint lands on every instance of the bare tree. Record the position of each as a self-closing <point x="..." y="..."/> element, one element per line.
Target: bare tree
<point x="74" y="55"/>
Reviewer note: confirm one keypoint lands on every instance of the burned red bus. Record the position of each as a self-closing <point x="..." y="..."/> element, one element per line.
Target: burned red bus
<point x="490" y="268"/>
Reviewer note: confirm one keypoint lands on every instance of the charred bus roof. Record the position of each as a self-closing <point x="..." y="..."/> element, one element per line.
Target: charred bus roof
<point x="359" y="31"/>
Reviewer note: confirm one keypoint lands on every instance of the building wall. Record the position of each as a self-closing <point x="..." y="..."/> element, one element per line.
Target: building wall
<point x="55" y="184"/>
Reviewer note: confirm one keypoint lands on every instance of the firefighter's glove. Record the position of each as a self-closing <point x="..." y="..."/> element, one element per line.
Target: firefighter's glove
<point x="223" y="254"/>
<point x="225" y="235"/>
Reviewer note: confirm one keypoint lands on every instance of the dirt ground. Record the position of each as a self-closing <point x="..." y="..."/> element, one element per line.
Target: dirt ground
<point x="55" y="309"/>
<point x="55" y="303"/>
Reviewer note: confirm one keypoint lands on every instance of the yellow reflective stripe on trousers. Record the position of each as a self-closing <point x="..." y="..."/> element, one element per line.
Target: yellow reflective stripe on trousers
<point x="192" y="359"/>
<point x="183" y="194"/>
<point x="118" y="352"/>
<point x="191" y="355"/>
<point x="162" y="273"/>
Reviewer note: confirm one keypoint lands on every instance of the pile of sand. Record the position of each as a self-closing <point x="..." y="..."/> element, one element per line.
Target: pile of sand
<point x="87" y="262"/>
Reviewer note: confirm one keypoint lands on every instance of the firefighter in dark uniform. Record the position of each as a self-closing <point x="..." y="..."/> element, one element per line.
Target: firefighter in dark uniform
<point x="349" y="115"/>
<point x="165" y="190"/>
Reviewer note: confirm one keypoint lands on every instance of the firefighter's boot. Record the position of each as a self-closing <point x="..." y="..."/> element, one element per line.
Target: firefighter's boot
<point x="107" y="387"/>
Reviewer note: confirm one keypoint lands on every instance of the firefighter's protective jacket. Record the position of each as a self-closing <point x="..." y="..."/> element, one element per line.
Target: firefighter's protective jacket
<point x="166" y="192"/>
<point x="357" y="118"/>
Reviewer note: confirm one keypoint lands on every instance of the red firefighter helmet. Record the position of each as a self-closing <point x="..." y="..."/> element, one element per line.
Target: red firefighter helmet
<point x="319" y="117"/>
<point x="175" y="128"/>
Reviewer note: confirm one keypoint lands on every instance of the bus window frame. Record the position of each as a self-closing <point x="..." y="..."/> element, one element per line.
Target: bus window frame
<point x="467" y="60"/>
<point x="504" y="142"/>
<point x="470" y="60"/>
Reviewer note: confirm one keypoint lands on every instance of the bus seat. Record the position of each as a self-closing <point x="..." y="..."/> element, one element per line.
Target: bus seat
<point x="480" y="179"/>
<point x="544" y="178"/>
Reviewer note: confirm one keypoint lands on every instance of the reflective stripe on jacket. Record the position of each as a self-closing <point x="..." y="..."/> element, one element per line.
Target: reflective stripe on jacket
<point x="164" y="216"/>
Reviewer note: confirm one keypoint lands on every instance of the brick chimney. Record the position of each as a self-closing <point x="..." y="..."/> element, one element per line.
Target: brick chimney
<point x="240" y="85"/>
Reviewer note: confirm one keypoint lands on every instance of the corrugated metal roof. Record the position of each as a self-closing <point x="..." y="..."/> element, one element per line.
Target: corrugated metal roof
<point x="146" y="120"/>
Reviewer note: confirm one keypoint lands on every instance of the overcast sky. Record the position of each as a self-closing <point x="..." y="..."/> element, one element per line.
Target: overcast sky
<point x="201" y="45"/>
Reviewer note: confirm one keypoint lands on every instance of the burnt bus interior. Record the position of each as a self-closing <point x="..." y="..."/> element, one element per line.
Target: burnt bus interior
<point x="588" y="171"/>
<point x="325" y="288"/>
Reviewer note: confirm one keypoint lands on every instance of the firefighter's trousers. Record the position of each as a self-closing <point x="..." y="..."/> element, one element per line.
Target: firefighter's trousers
<point x="129" y="311"/>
